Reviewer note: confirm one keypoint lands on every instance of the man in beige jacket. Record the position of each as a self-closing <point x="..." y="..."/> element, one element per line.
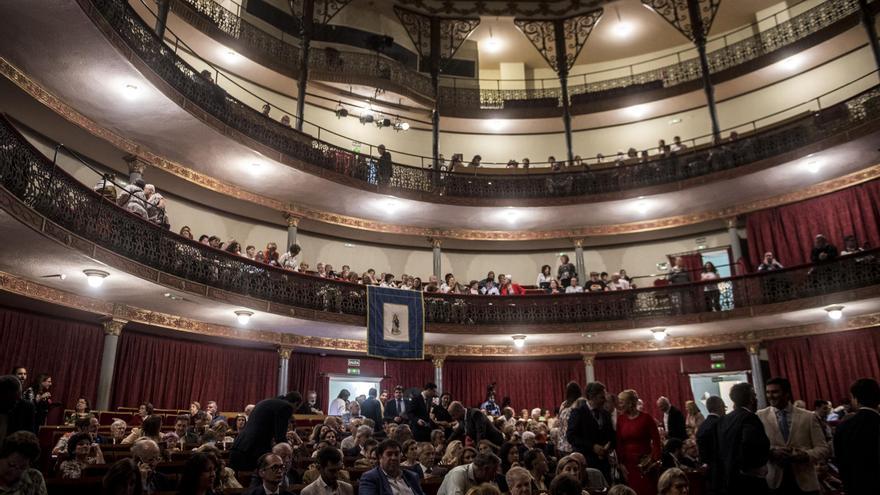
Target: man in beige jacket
<point x="796" y="442"/>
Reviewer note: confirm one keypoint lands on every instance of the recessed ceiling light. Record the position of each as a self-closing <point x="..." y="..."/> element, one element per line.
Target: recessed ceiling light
<point x="230" y="56"/>
<point x="95" y="277"/>
<point x="496" y="125"/>
<point x="835" y="312"/>
<point x="623" y="29"/>
<point x="636" y="111"/>
<point x="131" y="87"/>
<point x="812" y="165"/>
<point x="349" y="245"/>
<point x="659" y="334"/>
<point x="243" y="316"/>
<point x="519" y="341"/>
<point x="674" y="121"/>
<point x="793" y="62"/>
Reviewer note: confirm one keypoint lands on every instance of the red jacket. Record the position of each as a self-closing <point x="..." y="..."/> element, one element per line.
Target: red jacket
<point x="515" y="290"/>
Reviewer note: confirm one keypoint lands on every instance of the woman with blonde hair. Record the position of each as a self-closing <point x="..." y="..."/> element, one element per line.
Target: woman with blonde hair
<point x="694" y="418"/>
<point x="638" y="444"/>
<point x="451" y="455"/>
<point x="673" y="481"/>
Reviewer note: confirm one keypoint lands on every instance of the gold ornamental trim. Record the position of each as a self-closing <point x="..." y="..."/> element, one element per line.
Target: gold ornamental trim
<point x="48" y="99"/>
<point x="284" y="342"/>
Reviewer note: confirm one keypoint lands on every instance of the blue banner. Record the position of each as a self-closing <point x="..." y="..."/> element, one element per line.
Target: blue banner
<point x="395" y="323"/>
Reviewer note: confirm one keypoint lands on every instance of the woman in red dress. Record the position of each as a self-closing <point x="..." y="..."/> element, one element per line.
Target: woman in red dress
<point x="637" y="437"/>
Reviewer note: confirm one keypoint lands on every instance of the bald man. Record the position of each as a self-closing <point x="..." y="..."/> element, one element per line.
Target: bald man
<point x="473" y="423"/>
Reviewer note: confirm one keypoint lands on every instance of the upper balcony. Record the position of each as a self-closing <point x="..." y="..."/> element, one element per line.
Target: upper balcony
<point x="758" y="146"/>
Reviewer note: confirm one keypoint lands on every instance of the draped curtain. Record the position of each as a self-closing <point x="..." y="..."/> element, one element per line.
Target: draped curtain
<point x="529" y="384"/>
<point x="789" y="231"/>
<point x="171" y="372"/>
<point x="824" y="366"/>
<point x="69" y="351"/>
<point x="303" y="375"/>
<point x="649" y="376"/>
<point x="407" y="373"/>
<point x="692" y="263"/>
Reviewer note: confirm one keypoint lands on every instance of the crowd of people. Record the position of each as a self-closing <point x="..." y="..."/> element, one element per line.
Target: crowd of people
<point x="393" y="443"/>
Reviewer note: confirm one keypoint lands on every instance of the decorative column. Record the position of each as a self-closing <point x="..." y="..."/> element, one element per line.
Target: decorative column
<point x="435" y="248"/>
<point x="735" y="244"/>
<point x="580" y="265"/>
<point x="307" y="24"/>
<point x="589" y="369"/>
<point x="162" y="17"/>
<point x="292" y="225"/>
<point x="112" y="329"/>
<point x="868" y="23"/>
<point x="438" y="372"/>
<point x="754" y="349"/>
<point x="283" y="368"/>
<point x="436" y="39"/>
<point x="553" y="38"/>
<point x="693" y="18"/>
<point x="136" y="167"/>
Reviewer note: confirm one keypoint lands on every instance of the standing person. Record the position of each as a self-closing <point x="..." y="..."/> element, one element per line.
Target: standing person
<point x="855" y="440"/>
<point x="673" y="419"/>
<point x="388" y="478"/>
<point x="590" y="430"/>
<point x="396" y="407"/>
<point x="372" y="408"/>
<point x="15" y="413"/>
<point x="384" y="167"/>
<point x="267" y="425"/>
<point x="474" y="424"/>
<point x="742" y="448"/>
<point x="797" y="443"/>
<point x="638" y="444"/>
<point x="566" y="270"/>
<point x="572" y="394"/>
<point x="340" y="404"/>
<point x="418" y="413"/>
<point x="711" y="292"/>
<point x="40" y="391"/>
<point x="706" y="440"/>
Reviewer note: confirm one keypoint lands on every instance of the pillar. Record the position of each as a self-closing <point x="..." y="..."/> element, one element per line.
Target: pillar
<point x="292" y="225"/>
<point x="735" y="244"/>
<point x="283" y="368"/>
<point x="112" y="329"/>
<point x="699" y="37"/>
<point x="435" y="247"/>
<point x="868" y="24"/>
<point x="438" y="372"/>
<point x="754" y="349"/>
<point x="162" y="17"/>
<point x="136" y="167"/>
<point x="579" y="260"/>
<point x="589" y="368"/>
<point x="307" y="22"/>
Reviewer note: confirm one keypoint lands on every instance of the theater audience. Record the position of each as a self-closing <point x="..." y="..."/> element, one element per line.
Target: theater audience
<point x="18" y="453"/>
<point x="711" y="291"/>
<point x="769" y="263"/>
<point x="15" y="413"/>
<point x="677" y="273"/>
<point x="823" y="250"/>
<point x="572" y="394"/>
<point x="850" y="246"/>
<point x="464" y="477"/>
<point x="694" y="418"/>
<point x="565" y="271"/>
<point x="573" y="286"/>
<point x="80" y="410"/>
<point x="339" y="405"/>
<point x="269" y="421"/>
<point x="42" y="397"/>
<point x="388" y="478"/>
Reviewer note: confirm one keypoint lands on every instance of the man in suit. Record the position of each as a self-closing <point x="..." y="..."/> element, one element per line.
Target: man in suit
<point x="379" y="480"/>
<point x="590" y="429"/>
<point x="462" y="478"/>
<point x="473" y="423"/>
<point x="372" y="408"/>
<point x="673" y="420"/>
<point x="270" y="471"/>
<point x="418" y="413"/>
<point x="16" y="414"/>
<point x="212" y="409"/>
<point x="146" y="454"/>
<point x="796" y="442"/>
<point x="706" y="434"/>
<point x="329" y="464"/>
<point x="742" y="447"/>
<point x="856" y="440"/>
<point x="266" y="427"/>
<point x="395" y="408"/>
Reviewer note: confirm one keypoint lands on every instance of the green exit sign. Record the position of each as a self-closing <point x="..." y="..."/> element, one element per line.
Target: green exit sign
<point x="718" y="366"/>
<point x="353" y="371"/>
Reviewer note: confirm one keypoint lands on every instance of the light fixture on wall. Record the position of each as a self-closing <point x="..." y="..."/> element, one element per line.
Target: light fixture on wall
<point x="243" y="316"/>
<point x="659" y="334"/>
<point x="835" y="312"/>
<point x="519" y="341"/>
<point x="95" y="277"/>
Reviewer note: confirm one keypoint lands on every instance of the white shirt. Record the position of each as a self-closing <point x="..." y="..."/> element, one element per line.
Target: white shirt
<point x="619" y="285"/>
<point x="573" y="289"/>
<point x="268" y="492"/>
<point x="337" y="407"/>
<point x="326" y="489"/>
<point x="490" y="291"/>
<point x="398" y="485"/>
<point x="543" y="279"/>
<point x="288" y="261"/>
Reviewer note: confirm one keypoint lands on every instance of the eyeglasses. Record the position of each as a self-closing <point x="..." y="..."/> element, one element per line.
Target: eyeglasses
<point x="275" y="467"/>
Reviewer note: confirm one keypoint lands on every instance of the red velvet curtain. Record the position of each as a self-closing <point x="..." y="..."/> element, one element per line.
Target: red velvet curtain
<point x="529" y="384"/>
<point x="693" y="263"/>
<point x="650" y="376"/>
<point x="171" y="372"/>
<point x="824" y="366"/>
<point x="303" y="375"/>
<point x="69" y="351"/>
<point x="407" y="373"/>
<point x="788" y="231"/>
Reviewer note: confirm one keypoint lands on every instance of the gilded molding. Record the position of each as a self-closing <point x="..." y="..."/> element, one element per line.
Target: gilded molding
<point x="284" y="352"/>
<point x="121" y="312"/>
<point x="136" y="164"/>
<point x="753" y="347"/>
<point x="588" y="358"/>
<point x="438" y="360"/>
<point x="48" y="99"/>
<point x="114" y="326"/>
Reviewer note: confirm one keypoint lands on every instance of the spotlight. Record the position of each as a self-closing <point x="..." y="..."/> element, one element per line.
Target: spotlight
<point x="659" y="334"/>
<point x="401" y="126"/>
<point x="519" y="341"/>
<point x="366" y="118"/>
<point x="95" y="277"/>
<point x="835" y="312"/>
<point x="386" y="122"/>
<point x="243" y="316"/>
<point x="341" y="112"/>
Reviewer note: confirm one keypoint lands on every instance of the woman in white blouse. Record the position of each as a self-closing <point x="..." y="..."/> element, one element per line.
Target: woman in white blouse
<point x="544" y="277"/>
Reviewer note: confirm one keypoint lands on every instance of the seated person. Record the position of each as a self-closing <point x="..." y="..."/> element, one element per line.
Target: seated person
<point x="81" y="452"/>
<point x="146" y="455"/>
<point x="595" y="284"/>
<point x="329" y="465"/>
<point x="82" y="425"/>
<point x="268" y="476"/>
<point x="19" y="452"/>
<point x="489" y="289"/>
<point x="674" y="456"/>
<point x="368" y="459"/>
<point x="573" y="287"/>
<point x="462" y="478"/>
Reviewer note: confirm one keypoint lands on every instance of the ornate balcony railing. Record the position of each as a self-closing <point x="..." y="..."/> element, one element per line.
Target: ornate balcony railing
<point x="669" y="70"/>
<point x="36" y="182"/>
<point x="429" y="183"/>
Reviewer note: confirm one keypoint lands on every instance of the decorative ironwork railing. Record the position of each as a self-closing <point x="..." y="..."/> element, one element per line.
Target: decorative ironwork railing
<point x="35" y="180"/>
<point x="740" y="46"/>
<point x="431" y="183"/>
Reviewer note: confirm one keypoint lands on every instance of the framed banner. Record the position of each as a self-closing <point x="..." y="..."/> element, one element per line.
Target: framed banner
<point x="395" y="323"/>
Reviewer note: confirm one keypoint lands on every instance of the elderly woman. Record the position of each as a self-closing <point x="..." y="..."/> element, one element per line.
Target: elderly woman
<point x="575" y="465"/>
<point x="673" y="482"/>
<point x="519" y="481"/>
<point x="117" y="431"/>
<point x="150" y="429"/>
<point x="638" y="444"/>
<point x="81" y="452"/>
<point x="155" y="205"/>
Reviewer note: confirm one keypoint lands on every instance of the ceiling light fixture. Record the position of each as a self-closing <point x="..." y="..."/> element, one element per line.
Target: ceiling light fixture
<point x="622" y="29"/>
<point x="492" y="44"/>
<point x="835" y="312"/>
<point x="792" y="62"/>
<point x="95" y="277"/>
<point x="636" y="111"/>
<point x="243" y="316"/>
<point x="519" y="341"/>
<point x="231" y="56"/>
<point x="496" y="125"/>
<point x="130" y="91"/>
<point x="659" y="334"/>
<point x="812" y="165"/>
<point x="341" y="111"/>
<point x="59" y="276"/>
